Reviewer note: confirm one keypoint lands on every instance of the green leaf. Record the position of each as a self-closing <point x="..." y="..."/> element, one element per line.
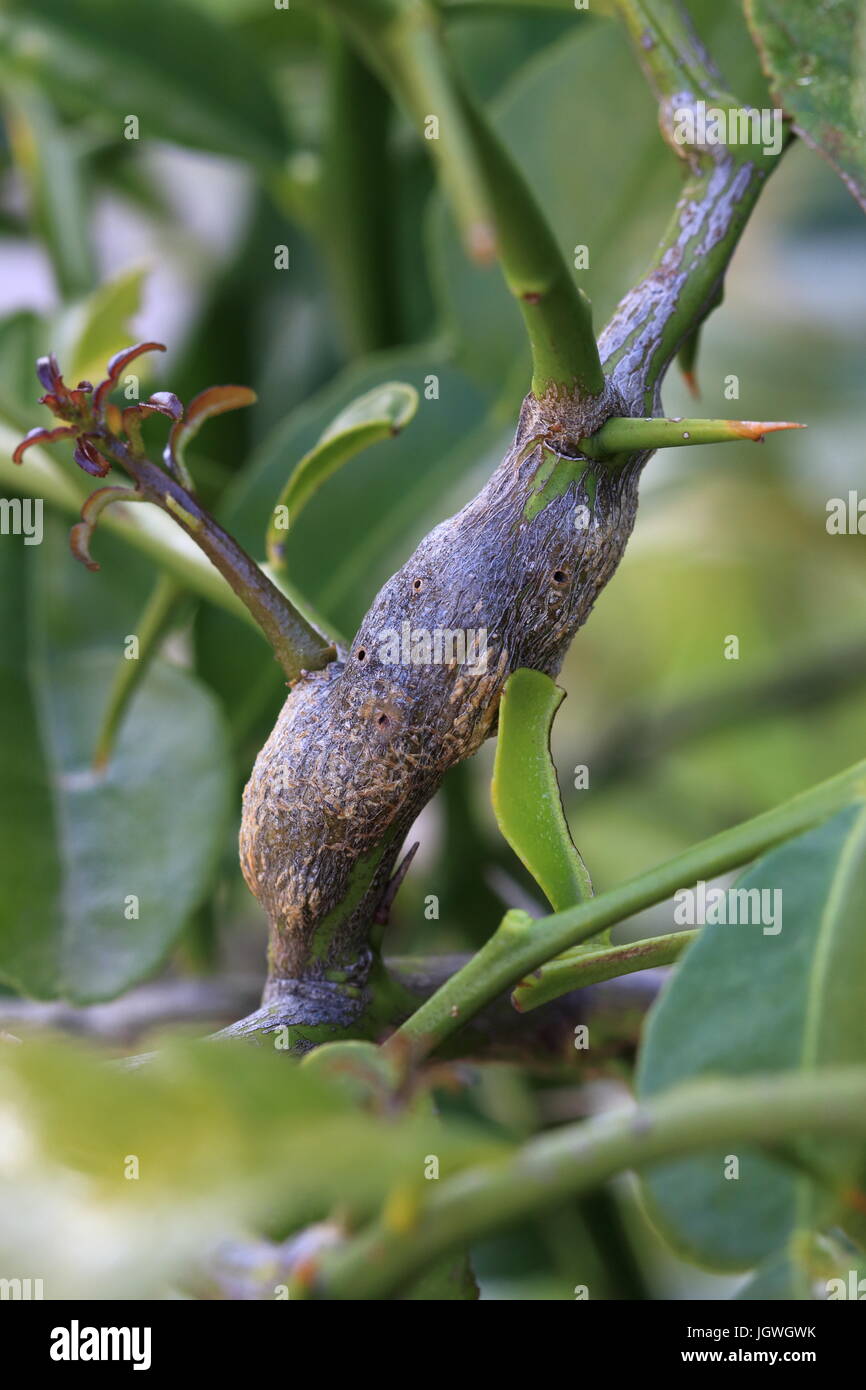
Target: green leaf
<point x="525" y="791"/>
<point x="380" y="414"/>
<point x="224" y="1137"/>
<point x="182" y="74"/>
<point x="379" y="510"/>
<point x="100" y="870"/>
<point x="95" y="329"/>
<point x="777" y="1279"/>
<point x="813" y="1269"/>
<point x="750" y="999"/>
<point x="815" y="58"/>
<point x="214" y="400"/>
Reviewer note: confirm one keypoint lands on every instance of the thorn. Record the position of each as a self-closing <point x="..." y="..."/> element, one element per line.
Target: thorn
<point x="756" y="429"/>
<point x="383" y="912"/>
<point x="692" y="383"/>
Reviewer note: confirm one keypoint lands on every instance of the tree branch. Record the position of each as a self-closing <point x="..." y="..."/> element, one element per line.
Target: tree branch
<point x="668" y="306"/>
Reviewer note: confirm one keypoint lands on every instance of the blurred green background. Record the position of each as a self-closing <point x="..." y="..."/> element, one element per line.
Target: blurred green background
<point x="255" y="132"/>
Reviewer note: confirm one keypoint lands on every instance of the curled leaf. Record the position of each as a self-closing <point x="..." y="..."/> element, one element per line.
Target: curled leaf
<point x="161" y="403"/>
<point x="115" y="367"/>
<point x="214" y="401"/>
<point x="40" y="435"/>
<point x="82" y="532"/>
<point x="525" y="791"/>
<point x="379" y="414"/>
<point x="48" y="372"/>
<point x="66" y="404"/>
<point x="167" y="402"/>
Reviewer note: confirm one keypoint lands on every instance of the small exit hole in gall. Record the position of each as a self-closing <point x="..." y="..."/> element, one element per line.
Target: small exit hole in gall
<point x="416" y="584"/>
<point x="559" y="576"/>
<point x="362" y="652"/>
<point x="383" y="721"/>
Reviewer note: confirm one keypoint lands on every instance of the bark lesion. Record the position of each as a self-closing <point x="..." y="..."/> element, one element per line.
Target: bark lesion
<point x="360" y="748"/>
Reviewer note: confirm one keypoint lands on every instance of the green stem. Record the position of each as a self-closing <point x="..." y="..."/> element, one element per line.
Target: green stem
<point x="159" y="611"/>
<point x="684" y="282"/>
<point x="492" y="202"/>
<point x="153" y="534"/>
<point x="295" y="642"/>
<point x="760" y="1111"/>
<point x="669" y="51"/>
<point x="582" y="968"/>
<point x="55" y="171"/>
<point x="521" y="944"/>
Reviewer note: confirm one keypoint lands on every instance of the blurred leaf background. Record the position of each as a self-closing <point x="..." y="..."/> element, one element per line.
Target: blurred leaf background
<point x="239" y="148"/>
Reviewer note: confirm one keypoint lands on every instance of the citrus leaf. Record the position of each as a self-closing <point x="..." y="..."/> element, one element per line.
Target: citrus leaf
<point x="525" y="791"/>
<point x="756" y="999"/>
<point x="380" y="414"/>
<point x="101" y="869"/>
<point x="815" y="58"/>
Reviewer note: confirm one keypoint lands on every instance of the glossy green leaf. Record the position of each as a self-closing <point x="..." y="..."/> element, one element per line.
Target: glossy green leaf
<point x="751" y="999"/>
<point x="182" y="74"/>
<point x="525" y="791"/>
<point x="815" y="58"/>
<point x="380" y="414"/>
<point x="100" y="870"/>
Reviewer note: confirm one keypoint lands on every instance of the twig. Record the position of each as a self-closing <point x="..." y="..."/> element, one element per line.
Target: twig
<point x="761" y="1111"/>
<point x="585" y="967"/>
<point x="295" y="642"/>
<point x="520" y="945"/>
<point x="150" y="1006"/>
